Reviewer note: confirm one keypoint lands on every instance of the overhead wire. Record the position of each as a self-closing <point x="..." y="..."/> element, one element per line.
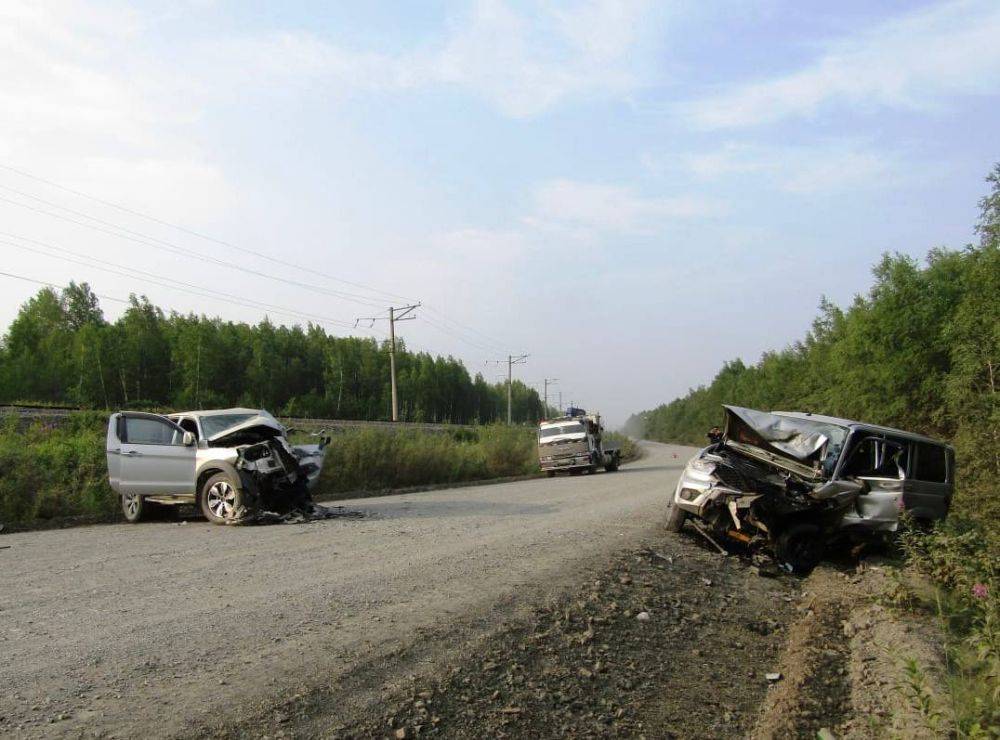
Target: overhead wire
<point x="169" y="247"/>
<point x="198" y="234"/>
<point x="445" y="323"/>
<point x="57" y="287"/>
<point x="142" y="275"/>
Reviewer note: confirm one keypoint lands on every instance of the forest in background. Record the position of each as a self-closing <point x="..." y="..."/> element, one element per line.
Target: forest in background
<point x="60" y="349"/>
<point x="920" y="351"/>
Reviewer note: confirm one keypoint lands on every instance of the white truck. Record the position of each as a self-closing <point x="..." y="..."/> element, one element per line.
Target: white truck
<point x="574" y="443"/>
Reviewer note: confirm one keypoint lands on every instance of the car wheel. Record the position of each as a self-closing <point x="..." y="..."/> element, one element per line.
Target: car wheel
<point x="800" y="548"/>
<point x="220" y="500"/>
<point x="611" y="467"/>
<point x="675" y="517"/>
<point x="133" y="507"/>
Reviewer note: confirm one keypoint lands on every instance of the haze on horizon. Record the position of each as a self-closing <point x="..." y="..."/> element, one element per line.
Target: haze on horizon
<point x="632" y="192"/>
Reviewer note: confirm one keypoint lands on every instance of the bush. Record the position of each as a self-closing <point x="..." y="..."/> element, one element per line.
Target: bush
<point x="378" y="459"/>
<point x="55" y="471"/>
<point x="961" y="557"/>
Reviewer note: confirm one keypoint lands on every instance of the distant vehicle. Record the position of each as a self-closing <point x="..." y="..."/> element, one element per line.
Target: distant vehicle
<point x="574" y="443"/>
<point x="230" y="462"/>
<point x="791" y="480"/>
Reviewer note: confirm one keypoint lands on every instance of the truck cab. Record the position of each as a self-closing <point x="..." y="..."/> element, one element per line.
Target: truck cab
<point x="574" y="443"/>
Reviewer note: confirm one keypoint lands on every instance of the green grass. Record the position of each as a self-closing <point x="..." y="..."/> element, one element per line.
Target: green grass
<point x="55" y="471"/>
<point x="58" y="471"/>
<point x="378" y="460"/>
<point x="961" y="559"/>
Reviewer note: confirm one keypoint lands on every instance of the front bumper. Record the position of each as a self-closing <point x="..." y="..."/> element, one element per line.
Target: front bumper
<point x="696" y="489"/>
<point x="569" y="462"/>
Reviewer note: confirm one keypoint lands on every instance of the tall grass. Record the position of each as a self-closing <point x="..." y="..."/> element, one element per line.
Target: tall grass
<point x="59" y="471"/>
<point x="376" y="459"/>
<point x="962" y="559"/>
<point x="49" y="471"/>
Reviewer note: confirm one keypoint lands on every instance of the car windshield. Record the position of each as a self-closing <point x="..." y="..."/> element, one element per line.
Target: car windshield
<point x="571" y="428"/>
<point x="213" y="425"/>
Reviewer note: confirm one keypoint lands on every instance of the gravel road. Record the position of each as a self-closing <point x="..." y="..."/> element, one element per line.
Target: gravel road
<point x="165" y="629"/>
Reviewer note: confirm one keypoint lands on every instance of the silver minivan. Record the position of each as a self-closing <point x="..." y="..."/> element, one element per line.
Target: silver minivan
<point x="232" y="463"/>
<point x="790" y="480"/>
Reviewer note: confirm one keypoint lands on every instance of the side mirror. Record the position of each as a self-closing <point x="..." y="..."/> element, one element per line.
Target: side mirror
<point x="188" y="439"/>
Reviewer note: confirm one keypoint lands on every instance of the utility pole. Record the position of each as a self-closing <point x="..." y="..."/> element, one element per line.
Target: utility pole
<point x="511" y="361"/>
<point x="402" y="313"/>
<point x="560" y="402"/>
<point x="545" y="402"/>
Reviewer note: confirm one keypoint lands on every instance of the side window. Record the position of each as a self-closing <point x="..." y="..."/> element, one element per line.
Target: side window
<point x="189" y="425"/>
<point x="878" y="458"/>
<point x="143" y="431"/>
<point x="932" y="463"/>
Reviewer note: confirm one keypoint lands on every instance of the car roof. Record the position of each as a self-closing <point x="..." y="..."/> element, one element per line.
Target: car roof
<point x="220" y="412"/>
<point x="861" y="425"/>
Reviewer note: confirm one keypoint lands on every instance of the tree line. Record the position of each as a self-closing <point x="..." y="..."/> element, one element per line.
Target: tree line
<point x="920" y="351"/>
<point x="61" y="349"/>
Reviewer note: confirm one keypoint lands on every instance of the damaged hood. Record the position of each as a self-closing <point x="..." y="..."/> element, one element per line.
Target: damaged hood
<point x="803" y="446"/>
<point x="235" y="421"/>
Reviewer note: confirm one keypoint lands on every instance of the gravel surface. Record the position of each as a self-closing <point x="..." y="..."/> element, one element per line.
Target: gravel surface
<point x="165" y="628"/>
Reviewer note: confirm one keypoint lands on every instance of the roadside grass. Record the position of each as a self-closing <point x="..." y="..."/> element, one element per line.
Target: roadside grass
<point x="630" y="450"/>
<point x="377" y="460"/>
<point x="57" y="473"/>
<point x="960" y="561"/>
<point x="54" y="471"/>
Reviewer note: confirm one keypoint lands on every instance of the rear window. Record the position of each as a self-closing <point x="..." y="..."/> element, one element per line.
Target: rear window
<point x="932" y="463"/>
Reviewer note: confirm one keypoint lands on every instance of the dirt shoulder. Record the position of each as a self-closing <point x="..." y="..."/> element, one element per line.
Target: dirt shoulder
<point x="631" y="649"/>
<point x="854" y="668"/>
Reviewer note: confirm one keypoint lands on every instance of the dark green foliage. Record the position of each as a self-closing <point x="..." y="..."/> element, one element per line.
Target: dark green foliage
<point x="60" y="349"/>
<point x="55" y="471"/>
<point x="920" y="351"/>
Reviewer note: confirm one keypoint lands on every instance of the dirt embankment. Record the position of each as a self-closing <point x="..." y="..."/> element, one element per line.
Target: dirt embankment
<point x="854" y="668"/>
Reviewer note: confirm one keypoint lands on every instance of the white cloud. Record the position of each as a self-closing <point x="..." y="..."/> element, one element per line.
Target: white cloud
<point x="585" y="207"/>
<point x="912" y="61"/>
<point x="796" y="169"/>
<point x="522" y="63"/>
<point x="73" y="111"/>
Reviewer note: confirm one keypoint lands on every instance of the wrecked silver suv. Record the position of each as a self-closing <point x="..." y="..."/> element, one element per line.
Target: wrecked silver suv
<point x="790" y="481"/>
<point x="233" y="463"/>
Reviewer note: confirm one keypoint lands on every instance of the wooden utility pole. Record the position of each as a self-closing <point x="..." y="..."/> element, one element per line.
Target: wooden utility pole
<point x="511" y="361"/>
<point x="545" y="404"/>
<point x="403" y="313"/>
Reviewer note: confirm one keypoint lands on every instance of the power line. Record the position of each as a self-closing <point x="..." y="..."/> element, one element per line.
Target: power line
<point x="173" y="248"/>
<point x="198" y="234"/>
<point x="448" y="325"/>
<point x="58" y="287"/>
<point x="134" y="273"/>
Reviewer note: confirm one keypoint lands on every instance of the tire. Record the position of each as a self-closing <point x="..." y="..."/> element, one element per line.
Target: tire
<point x="219" y="499"/>
<point x="612" y="466"/>
<point x="675" y="517"/>
<point x="133" y="507"/>
<point x="799" y="549"/>
<point x="550" y="473"/>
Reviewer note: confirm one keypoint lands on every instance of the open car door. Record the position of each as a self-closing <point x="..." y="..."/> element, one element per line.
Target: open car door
<point x="154" y="459"/>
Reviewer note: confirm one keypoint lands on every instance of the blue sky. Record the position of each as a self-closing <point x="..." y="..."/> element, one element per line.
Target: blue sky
<point x="631" y="192"/>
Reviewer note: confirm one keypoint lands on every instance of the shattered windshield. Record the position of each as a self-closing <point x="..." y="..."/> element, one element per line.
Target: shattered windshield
<point x="573" y="428"/>
<point x="212" y="425"/>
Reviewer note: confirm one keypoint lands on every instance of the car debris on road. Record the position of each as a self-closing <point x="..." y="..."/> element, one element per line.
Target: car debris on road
<point x="790" y="481"/>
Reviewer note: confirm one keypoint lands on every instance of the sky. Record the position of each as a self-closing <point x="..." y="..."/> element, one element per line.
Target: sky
<point x="629" y="192"/>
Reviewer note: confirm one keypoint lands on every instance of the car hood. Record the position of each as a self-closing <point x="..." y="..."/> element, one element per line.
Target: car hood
<point x="261" y="420"/>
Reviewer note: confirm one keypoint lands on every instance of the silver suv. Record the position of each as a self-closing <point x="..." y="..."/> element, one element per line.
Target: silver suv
<point x="232" y="463"/>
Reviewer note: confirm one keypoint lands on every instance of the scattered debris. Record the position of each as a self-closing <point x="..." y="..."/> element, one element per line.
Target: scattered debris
<point x="772" y="677"/>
